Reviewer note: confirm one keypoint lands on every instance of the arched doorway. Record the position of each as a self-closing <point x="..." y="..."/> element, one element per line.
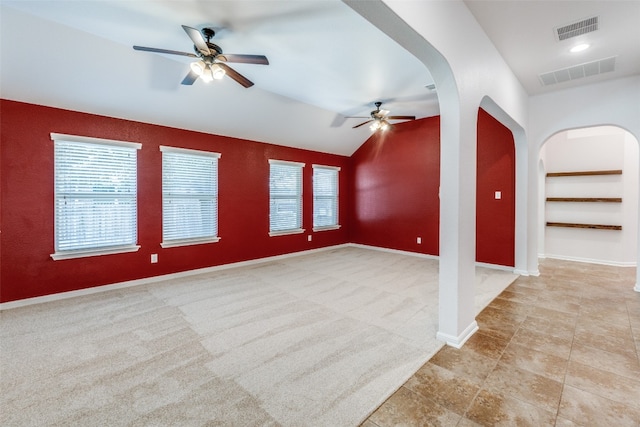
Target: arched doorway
<point x="590" y="196"/>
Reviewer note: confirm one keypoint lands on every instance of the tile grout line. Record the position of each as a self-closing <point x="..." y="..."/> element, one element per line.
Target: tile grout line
<point x="482" y="386"/>
<point x="566" y="368"/>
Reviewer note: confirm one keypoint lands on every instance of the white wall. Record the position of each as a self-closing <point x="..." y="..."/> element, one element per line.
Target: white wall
<point x="588" y="149"/>
<point x="613" y="102"/>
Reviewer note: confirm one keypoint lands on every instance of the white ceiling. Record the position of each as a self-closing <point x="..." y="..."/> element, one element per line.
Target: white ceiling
<point x="326" y="62"/>
<point x="524" y="34"/>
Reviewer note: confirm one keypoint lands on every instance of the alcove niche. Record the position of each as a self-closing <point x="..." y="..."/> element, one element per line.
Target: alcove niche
<point x="590" y="196"/>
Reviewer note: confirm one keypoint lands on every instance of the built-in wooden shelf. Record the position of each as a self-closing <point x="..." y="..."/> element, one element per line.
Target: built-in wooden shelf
<point x="586" y="173"/>
<point x="585" y="199"/>
<point x="592" y="226"/>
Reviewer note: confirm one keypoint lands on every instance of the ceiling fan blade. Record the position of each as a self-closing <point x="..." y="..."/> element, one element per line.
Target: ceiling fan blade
<point x="197" y="39"/>
<point x="170" y="52"/>
<point x="401" y="117"/>
<point x="362" y="124"/>
<point x="190" y="78"/>
<point x="236" y="75"/>
<point x="244" y="59"/>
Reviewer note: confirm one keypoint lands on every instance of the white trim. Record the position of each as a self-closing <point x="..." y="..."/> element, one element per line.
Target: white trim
<point x="188" y="242"/>
<point x="326" y="228"/>
<point x="94" y="252"/>
<point x="593" y="261"/>
<point x="534" y="273"/>
<point x="285" y="163"/>
<point x="286" y="232"/>
<point x="150" y="280"/>
<point x="496" y="266"/>
<point x="88" y="139"/>
<point x="333" y="168"/>
<point x="436" y="257"/>
<point x="168" y="149"/>
<point x="394" y="251"/>
<point x="458" y="342"/>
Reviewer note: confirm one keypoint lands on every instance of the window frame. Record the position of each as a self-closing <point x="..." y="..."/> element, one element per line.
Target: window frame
<point x="170" y="243"/>
<point x="96" y="250"/>
<point x="299" y="197"/>
<point x="335" y="197"/>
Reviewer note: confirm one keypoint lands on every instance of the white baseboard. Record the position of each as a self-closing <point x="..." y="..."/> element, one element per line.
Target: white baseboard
<point x="393" y="251"/>
<point x="592" y="261"/>
<point x="496" y="267"/>
<point x="458" y="342"/>
<point x="534" y="273"/>
<point x="144" y="281"/>
<point x="427" y="256"/>
<point x="154" y="279"/>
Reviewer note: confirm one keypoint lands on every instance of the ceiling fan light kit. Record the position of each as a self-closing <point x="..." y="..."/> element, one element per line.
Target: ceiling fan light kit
<point x="207" y="72"/>
<point x="211" y="63"/>
<point x="379" y="125"/>
<point x="379" y="119"/>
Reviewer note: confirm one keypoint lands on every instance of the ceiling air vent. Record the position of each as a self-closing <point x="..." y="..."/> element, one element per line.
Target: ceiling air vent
<point x="577" y="28"/>
<point x="587" y="69"/>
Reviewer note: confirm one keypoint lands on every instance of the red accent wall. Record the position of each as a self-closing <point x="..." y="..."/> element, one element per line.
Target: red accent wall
<point x="26" y="207"/>
<point x="496" y="171"/>
<point x="388" y="198"/>
<point x="396" y="177"/>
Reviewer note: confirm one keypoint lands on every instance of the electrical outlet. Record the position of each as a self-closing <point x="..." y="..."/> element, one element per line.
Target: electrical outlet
<point x="154" y="258"/>
<point x="498" y="195"/>
<point x="309" y="238"/>
<point x="419" y="240"/>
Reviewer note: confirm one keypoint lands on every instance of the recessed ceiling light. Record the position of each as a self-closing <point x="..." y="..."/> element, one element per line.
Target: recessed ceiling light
<point x="579" y="48"/>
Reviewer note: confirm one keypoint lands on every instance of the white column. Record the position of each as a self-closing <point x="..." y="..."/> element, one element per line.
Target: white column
<point x="458" y="149"/>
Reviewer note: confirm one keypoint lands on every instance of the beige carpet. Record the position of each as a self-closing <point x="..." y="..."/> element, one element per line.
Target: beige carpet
<point x="312" y="340"/>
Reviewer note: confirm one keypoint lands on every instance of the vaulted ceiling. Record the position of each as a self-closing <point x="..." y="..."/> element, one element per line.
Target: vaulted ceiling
<point x="326" y="62"/>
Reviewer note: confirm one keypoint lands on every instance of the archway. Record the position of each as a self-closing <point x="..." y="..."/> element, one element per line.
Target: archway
<point x="590" y="195"/>
<point x="416" y="26"/>
<point x="456" y="318"/>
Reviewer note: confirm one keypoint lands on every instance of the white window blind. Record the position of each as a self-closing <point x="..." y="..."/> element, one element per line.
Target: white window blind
<point x="325" y="197"/>
<point x="285" y="193"/>
<point x="95" y="186"/>
<point x="189" y="196"/>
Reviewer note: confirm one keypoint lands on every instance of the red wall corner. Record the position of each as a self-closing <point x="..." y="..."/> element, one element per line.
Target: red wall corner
<point x="396" y="178"/>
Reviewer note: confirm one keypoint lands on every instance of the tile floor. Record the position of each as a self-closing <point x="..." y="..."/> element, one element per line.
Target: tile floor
<point x="561" y="349"/>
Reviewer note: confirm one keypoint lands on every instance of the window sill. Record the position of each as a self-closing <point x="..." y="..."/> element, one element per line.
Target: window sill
<point x="94" y="252"/>
<point x="326" y="228"/>
<point x="188" y="242"/>
<point x="286" y="232"/>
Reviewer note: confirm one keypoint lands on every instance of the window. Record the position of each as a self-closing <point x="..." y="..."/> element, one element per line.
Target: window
<point x="189" y="197"/>
<point x="325" y="198"/>
<point x="285" y="197"/>
<point x="95" y="192"/>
